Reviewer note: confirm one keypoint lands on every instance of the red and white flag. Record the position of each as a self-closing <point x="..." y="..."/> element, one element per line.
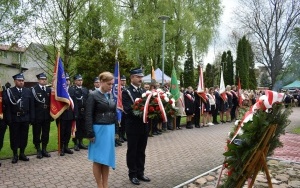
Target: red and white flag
<point x="201" y="88"/>
<point x="239" y="90"/>
<point x="222" y="88"/>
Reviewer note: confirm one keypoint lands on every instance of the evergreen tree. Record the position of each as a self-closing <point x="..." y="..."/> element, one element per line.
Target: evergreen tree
<point x="252" y="76"/>
<point x="209" y="76"/>
<point x="242" y="63"/>
<point x="265" y="80"/>
<point x="188" y="75"/>
<point x="229" y="69"/>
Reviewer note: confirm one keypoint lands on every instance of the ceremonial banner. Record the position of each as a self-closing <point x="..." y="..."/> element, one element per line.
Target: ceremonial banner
<point x="174" y="89"/>
<point x="222" y="87"/>
<point x="60" y="99"/>
<point x="239" y="89"/>
<point x="201" y="88"/>
<point x="117" y="93"/>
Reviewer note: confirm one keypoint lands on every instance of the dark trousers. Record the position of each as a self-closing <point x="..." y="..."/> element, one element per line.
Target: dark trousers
<point x="197" y="116"/>
<point x="135" y="157"/>
<point x="40" y="131"/>
<point x="214" y="112"/>
<point x="122" y="127"/>
<point x="18" y="133"/>
<point x="65" y="131"/>
<point x="3" y="127"/>
<point x="232" y="112"/>
<point x="178" y="118"/>
<point x="80" y="129"/>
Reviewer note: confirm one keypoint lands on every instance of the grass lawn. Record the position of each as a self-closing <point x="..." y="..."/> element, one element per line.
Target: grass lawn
<point x="6" y="152"/>
<point x="296" y="130"/>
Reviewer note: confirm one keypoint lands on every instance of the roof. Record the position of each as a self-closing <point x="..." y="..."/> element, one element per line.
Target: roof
<point x="12" y="48"/>
<point x="294" y="85"/>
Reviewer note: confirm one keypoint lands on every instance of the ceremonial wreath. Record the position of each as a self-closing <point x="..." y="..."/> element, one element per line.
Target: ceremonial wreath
<point x="245" y="143"/>
<point x="155" y="104"/>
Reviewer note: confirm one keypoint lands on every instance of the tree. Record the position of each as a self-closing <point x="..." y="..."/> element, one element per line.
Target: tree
<point x="227" y="62"/>
<point x="270" y="23"/>
<point x="188" y="75"/>
<point x="209" y="75"/>
<point x="14" y="19"/>
<point x="265" y="80"/>
<point x="242" y="64"/>
<point x="192" y="21"/>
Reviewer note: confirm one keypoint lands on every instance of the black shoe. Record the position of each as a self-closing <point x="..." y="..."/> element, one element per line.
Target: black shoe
<point x="39" y="154"/>
<point x="68" y="151"/>
<point x="155" y="133"/>
<point x="14" y="159"/>
<point x="119" y="143"/>
<point x="216" y="123"/>
<point x="125" y="139"/>
<point x="150" y="135"/>
<point x="134" y="181"/>
<point x="76" y="148"/>
<point x="116" y="145"/>
<point x="169" y="128"/>
<point x="23" y="157"/>
<point x="189" y="126"/>
<point x="197" y="126"/>
<point x="121" y="140"/>
<point x="143" y="178"/>
<point x="45" y="153"/>
<point x="81" y="146"/>
<point x="62" y="152"/>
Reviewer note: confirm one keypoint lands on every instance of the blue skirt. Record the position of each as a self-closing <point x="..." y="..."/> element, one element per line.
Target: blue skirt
<point x="102" y="150"/>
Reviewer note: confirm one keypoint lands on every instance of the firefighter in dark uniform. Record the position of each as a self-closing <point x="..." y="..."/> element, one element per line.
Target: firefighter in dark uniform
<point x="19" y="113"/>
<point x="96" y="84"/>
<point x="122" y="137"/>
<point x="136" y="130"/>
<point x="66" y="119"/>
<point x="41" y="124"/>
<point x="3" y="125"/>
<point x="81" y="94"/>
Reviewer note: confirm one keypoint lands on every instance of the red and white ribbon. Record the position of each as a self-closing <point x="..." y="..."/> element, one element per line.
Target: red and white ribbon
<point x="145" y="115"/>
<point x="162" y="109"/>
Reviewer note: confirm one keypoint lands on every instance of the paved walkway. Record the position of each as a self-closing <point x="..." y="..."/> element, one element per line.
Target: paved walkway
<point x="172" y="158"/>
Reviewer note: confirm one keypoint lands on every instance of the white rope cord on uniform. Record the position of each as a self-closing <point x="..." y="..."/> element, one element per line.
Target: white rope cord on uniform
<point x="36" y="98"/>
<point x="9" y="93"/>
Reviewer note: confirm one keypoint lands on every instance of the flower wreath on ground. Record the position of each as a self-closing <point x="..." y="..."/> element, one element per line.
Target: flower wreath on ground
<point x="243" y="140"/>
<point x="155" y="104"/>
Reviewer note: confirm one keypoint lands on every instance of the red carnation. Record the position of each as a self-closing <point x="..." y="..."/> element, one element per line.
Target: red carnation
<point x="155" y="100"/>
<point x="170" y="101"/>
<point x="151" y="109"/>
<point x="157" y="108"/>
<point x="142" y="108"/>
<point x="136" y="107"/>
<point x="140" y="100"/>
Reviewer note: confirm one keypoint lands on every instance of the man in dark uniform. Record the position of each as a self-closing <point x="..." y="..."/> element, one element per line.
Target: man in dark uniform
<point x="96" y="83"/>
<point x="136" y="130"/>
<point x="19" y="112"/>
<point x="122" y="124"/>
<point x="3" y="125"/>
<point x="66" y="119"/>
<point x="41" y="124"/>
<point x="81" y="94"/>
<point x="197" y="108"/>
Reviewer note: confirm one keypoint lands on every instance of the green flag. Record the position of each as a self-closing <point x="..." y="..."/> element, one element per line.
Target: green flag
<point x="174" y="89"/>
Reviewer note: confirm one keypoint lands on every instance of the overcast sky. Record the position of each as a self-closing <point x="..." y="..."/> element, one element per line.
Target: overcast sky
<point x="220" y="43"/>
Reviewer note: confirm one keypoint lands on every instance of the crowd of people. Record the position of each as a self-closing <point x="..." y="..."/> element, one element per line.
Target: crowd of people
<point x="96" y="118"/>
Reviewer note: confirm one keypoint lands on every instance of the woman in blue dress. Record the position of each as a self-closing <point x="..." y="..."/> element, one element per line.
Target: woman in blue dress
<point x="100" y="127"/>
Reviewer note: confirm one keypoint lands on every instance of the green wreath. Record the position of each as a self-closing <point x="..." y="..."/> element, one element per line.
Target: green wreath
<point x="241" y="149"/>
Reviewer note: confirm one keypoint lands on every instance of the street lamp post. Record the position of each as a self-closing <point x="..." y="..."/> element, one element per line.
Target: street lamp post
<point x="164" y="19"/>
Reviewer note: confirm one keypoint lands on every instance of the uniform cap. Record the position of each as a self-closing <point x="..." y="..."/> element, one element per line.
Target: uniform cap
<point x="136" y="71"/>
<point x="18" y="76"/>
<point x="41" y="76"/>
<point x="77" y="77"/>
<point x="96" y="79"/>
<point x="123" y="77"/>
<point x="67" y="76"/>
